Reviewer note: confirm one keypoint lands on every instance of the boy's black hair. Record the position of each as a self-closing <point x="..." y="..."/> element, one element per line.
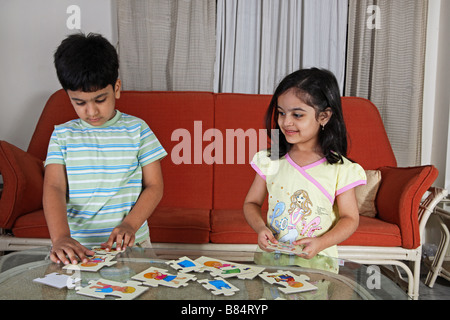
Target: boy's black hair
<point x="319" y="89"/>
<point x="87" y="63"/>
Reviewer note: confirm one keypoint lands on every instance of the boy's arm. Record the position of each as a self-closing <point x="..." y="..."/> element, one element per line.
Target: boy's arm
<point x="54" y="202"/>
<point x="252" y="211"/>
<point x="152" y="183"/>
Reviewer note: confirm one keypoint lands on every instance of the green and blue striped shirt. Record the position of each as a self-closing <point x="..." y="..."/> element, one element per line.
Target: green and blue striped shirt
<point x="104" y="172"/>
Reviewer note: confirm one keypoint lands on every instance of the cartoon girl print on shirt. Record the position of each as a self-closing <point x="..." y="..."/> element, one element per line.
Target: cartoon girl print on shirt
<point x="299" y="209"/>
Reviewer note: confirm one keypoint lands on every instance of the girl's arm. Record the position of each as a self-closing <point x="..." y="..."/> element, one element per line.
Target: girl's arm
<point x="252" y="212"/>
<point x="153" y="186"/>
<point x="347" y="223"/>
<point x="64" y="248"/>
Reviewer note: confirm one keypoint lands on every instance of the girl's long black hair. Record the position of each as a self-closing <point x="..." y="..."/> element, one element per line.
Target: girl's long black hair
<point x="319" y="89"/>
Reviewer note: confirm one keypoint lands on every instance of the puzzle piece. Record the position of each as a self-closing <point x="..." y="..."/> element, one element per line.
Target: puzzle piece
<point x="291" y="283"/>
<point x="185" y="264"/>
<point x="154" y="276"/>
<point x="93" y="264"/>
<point x="101" y="288"/>
<point x="219" y="286"/>
<point x="102" y="251"/>
<point x="225" y="269"/>
<point x="286" y="248"/>
<point x="58" y="281"/>
<point x="250" y="272"/>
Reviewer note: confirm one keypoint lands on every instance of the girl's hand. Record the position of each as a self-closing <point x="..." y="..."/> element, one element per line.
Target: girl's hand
<point x="264" y="236"/>
<point x="68" y="250"/>
<point x="312" y="246"/>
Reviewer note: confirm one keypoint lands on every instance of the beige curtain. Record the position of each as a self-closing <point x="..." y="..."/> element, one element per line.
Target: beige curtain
<point x="385" y="64"/>
<point x="260" y="42"/>
<point x="167" y="44"/>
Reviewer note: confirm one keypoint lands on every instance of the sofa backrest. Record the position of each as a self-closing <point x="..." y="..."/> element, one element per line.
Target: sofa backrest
<point x="185" y="185"/>
<point x="368" y="143"/>
<point x="232" y="179"/>
<point x="181" y="119"/>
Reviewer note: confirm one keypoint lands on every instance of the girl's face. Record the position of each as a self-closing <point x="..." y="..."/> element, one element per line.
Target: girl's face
<point x="298" y="121"/>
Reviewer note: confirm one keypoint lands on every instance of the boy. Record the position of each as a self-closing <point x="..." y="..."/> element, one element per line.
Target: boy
<point x="103" y="176"/>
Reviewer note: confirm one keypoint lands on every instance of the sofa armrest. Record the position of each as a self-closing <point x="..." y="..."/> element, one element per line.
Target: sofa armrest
<point x="399" y="196"/>
<point x="23" y="181"/>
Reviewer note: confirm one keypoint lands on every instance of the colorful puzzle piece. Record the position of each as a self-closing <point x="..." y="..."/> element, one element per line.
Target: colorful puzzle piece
<point x="102" y="251"/>
<point x="226" y="269"/>
<point x="219" y="286"/>
<point x="290" y="282"/>
<point x="101" y="288"/>
<point x="185" y="264"/>
<point x="93" y="264"/>
<point x="286" y="248"/>
<point x="154" y="277"/>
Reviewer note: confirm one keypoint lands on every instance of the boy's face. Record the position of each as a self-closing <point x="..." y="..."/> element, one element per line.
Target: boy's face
<point x="97" y="107"/>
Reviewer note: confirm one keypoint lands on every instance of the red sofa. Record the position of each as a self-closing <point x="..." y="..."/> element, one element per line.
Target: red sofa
<point x="202" y="202"/>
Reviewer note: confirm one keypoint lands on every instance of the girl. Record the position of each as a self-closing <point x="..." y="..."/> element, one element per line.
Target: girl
<point x="309" y="181"/>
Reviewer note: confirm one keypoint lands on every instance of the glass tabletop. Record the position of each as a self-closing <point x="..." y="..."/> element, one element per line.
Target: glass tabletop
<point x="351" y="281"/>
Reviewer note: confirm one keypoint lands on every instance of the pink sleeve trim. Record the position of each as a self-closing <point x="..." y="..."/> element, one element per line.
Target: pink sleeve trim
<point x="351" y="186"/>
<point x="258" y="171"/>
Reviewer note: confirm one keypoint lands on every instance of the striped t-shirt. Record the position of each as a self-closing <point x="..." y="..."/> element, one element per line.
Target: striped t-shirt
<point x="104" y="172"/>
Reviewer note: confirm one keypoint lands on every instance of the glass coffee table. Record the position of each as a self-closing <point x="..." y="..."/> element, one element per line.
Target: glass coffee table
<point x="352" y="281"/>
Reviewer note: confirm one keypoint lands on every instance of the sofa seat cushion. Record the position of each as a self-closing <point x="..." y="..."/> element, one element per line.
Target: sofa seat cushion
<point x="230" y="226"/>
<point x="375" y="232"/>
<point x="179" y="225"/>
<point x="31" y="225"/>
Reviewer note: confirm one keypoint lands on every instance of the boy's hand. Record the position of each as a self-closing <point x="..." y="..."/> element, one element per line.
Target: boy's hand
<point x="123" y="235"/>
<point x="68" y="250"/>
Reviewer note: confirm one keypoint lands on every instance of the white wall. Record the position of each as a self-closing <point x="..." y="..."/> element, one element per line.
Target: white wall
<point x="436" y="117"/>
<point x="30" y="31"/>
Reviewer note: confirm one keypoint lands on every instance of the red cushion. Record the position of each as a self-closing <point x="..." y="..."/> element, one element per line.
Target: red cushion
<point x="368" y="143"/>
<point x="57" y="110"/>
<point x="23" y="178"/>
<point x="237" y="111"/>
<point x="31" y="225"/>
<point x="375" y="232"/>
<point x="230" y="226"/>
<point x="399" y="196"/>
<point x="185" y="185"/>
<point x="179" y="225"/>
